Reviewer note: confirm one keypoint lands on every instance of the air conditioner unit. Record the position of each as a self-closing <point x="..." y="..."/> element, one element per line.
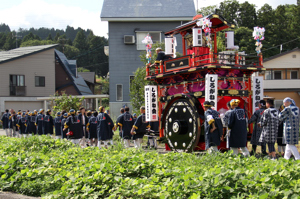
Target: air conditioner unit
<point x="129" y="39"/>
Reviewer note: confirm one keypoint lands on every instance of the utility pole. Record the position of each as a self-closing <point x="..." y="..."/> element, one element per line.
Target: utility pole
<point x="16" y="36"/>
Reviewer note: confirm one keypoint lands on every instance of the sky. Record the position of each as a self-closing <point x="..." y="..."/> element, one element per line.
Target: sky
<point x="77" y="13"/>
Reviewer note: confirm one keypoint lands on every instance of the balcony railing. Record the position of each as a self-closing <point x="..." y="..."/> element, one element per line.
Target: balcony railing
<point x="221" y="59"/>
<point x="18" y="90"/>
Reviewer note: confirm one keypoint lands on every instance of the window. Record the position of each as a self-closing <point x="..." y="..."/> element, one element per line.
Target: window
<point x="17" y="85"/>
<point x="131" y="78"/>
<point x="294" y="74"/>
<point x="39" y="81"/>
<point x="277" y="75"/>
<point x="268" y="75"/>
<point x="17" y="80"/>
<point x="155" y="35"/>
<point x="119" y="92"/>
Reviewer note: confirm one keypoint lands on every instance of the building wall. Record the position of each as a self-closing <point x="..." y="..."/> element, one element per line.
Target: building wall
<point x="290" y="60"/>
<point x="280" y="95"/>
<point x="124" y="59"/>
<point x="61" y="77"/>
<point x="69" y="90"/>
<point x="39" y="64"/>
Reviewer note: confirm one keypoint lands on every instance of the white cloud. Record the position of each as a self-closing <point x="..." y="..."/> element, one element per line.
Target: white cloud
<point x="38" y="13"/>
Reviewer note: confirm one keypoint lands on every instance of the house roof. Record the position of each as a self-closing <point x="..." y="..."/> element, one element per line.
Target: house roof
<point x="281" y="54"/>
<point x="147" y="10"/>
<point x="10" y="55"/>
<point x="78" y="81"/>
<point x="88" y="76"/>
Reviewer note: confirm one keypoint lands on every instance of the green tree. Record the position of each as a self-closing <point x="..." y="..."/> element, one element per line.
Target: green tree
<point x="10" y="41"/>
<point x="36" y="43"/>
<point x="28" y="37"/>
<point x="243" y="38"/>
<point x="71" y="52"/>
<point x="56" y="37"/>
<point x="49" y="37"/>
<point x="247" y="15"/>
<point x="229" y="10"/>
<point x="207" y="10"/>
<point x="80" y="41"/>
<point x="65" y="102"/>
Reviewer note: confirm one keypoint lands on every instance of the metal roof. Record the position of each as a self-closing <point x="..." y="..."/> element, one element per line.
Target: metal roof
<point x="78" y="80"/>
<point x="22" y="52"/>
<point x="88" y="76"/>
<point x="113" y="9"/>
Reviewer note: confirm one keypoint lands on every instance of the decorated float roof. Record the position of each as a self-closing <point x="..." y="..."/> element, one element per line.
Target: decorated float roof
<point x="218" y="24"/>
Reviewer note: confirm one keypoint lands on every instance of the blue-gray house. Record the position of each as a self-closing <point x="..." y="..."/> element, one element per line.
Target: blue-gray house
<point x="129" y="22"/>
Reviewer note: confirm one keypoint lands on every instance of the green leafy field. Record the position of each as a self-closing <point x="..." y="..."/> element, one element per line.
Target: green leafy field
<point x="41" y="166"/>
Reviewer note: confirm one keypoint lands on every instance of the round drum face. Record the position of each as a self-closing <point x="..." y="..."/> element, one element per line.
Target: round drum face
<point x="182" y="125"/>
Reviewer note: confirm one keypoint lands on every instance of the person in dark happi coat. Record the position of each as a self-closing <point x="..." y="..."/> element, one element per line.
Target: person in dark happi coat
<point x="269" y="122"/>
<point x="57" y="125"/>
<point x="31" y="128"/>
<point x="48" y="123"/>
<point x="92" y="129"/>
<point x="213" y="127"/>
<point x="104" y="127"/>
<point x="140" y="128"/>
<point x="225" y="123"/>
<point x="17" y="132"/>
<point x="22" y="124"/>
<point x="238" y="125"/>
<point x="112" y="130"/>
<point x="83" y="121"/>
<point x="74" y="126"/>
<point x="63" y="121"/>
<point x="126" y="123"/>
<point x="12" y="124"/>
<point x="280" y="144"/>
<point x="39" y="122"/>
<point x="122" y="111"/>
<point x="290" y="118"/>
<point x="255" y="118"/>
<point x="4" y="121"/>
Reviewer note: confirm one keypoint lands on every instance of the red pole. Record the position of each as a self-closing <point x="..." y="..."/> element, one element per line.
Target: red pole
<point x="236" y="58"/>
<point x="215" y="46"/>
<point x="260" y="59"/>
<point x="147" y="69"/>
<point x="161" y="67"/>
<point x="183" y="43"/>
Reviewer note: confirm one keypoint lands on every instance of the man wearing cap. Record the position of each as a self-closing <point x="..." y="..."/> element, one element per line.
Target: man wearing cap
<point x="213" y="128"/>
<point x="290" y="117"/>
<point x="255" y="118"/>
<point x="12" y="124"/>
<point x="39" y="122"/>
<point x="161" y="56"/>
<point x="92" y="129"/>
<point x="238" y="125"/>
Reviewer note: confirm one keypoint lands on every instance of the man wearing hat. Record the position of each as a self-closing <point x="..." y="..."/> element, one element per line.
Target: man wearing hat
<point x="39" y="122"/>
<point x="104" y="127"/>
<point x="92" y="129"/>
<point x="22" y="125"/>
<point x="75" y="128"/>
<point x="255" y="118"/>
<point x="213" y="128"/>
<point x="126" y="123"/>
<point x="118" y="121"/>
<point x="290" y="117"/>
<point x="238" y="125"/>
<point x="161" y="56"/>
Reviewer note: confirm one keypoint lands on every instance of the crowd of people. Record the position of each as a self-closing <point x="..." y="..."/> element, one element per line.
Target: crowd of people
<point x="270" y="126"/>
<point x="85" y="128"/>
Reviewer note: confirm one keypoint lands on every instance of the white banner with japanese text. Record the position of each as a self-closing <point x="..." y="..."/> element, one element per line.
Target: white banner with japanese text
<point x="151" y="103"/>
<point x="211" y="89"/>
<point x="258" y="92"/>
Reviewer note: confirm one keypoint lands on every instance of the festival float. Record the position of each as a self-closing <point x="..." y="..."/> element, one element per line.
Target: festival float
<point x="182" y="84"/>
